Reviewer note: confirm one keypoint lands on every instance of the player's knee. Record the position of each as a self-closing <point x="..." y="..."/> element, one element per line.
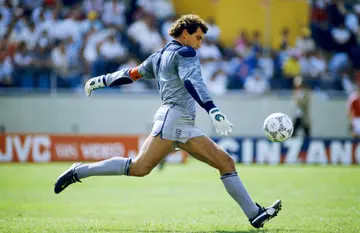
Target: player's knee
<point x="144" y="172"/>
<point x="227" y="165"/>
<point x="140" y="171"/>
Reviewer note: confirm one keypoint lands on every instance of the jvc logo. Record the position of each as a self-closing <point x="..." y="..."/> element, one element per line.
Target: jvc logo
<point x="34" y="148"/>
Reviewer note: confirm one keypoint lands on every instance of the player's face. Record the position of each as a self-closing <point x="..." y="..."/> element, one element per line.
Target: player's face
<point x="195" y="40"/>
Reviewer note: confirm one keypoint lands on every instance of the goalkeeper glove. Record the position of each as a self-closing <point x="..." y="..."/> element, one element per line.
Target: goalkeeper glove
<point x="221" y="123"/>
<point x="93" y="84"/>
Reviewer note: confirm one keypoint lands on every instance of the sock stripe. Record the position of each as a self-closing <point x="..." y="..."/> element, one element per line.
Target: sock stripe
<point x="127" y="167"/>
<point x="227" y="175"/>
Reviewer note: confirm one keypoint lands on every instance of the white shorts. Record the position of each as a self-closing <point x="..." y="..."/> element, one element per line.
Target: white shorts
<point x="172" y="123"/>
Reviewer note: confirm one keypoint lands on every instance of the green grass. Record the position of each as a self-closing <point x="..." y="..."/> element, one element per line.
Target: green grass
<point x="181" y="198"/>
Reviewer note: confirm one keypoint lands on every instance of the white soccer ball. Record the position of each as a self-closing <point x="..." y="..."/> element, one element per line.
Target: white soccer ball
<point x="278" y="127"/>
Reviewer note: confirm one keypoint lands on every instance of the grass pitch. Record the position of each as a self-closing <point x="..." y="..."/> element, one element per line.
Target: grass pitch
<point x="181" y="198"/>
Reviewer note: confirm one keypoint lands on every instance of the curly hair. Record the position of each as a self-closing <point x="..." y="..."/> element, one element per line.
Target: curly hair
<point x="189" y="22"/>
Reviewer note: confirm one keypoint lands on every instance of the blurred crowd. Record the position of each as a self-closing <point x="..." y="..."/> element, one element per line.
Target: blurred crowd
<point x="61" y="43"/>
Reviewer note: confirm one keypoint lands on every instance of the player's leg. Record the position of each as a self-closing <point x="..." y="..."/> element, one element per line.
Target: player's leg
<point x="151" y="153"/>
<point x="297" y="125"/>
<point x="306" y="127"/>
<point x="154" y="150"/>
<point x="206" y="150"/>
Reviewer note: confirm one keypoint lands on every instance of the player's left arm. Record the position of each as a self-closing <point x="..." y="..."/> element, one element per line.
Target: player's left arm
<point x="190" y="73"/>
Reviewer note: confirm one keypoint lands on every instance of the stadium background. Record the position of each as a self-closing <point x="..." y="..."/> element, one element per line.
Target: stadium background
<point x="252" y="53"/>
<point x="48" y="48"/>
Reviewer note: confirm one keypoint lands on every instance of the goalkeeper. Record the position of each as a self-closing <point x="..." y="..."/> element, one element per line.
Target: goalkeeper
<point x="176" y="69"/>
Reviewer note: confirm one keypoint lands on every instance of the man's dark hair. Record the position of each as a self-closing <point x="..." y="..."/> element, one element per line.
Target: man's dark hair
<point x="189" y="22"/>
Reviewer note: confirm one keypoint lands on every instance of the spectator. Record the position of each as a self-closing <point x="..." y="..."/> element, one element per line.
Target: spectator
<point x="242" y="43"/>
<point x="49" y="25"/>
<point x="240" y="70"/>
<point x="67" y="73"/>
<point x="347" y="84"/>
<point x="302" y="100"/>
<point x="256" y="43"/>
<point x="3" y="25"/>
<point x="252" y="61"/>
<point x="38" y="24"/>
<point x="313" y="69"/>
<point x="6" y="69"/>
<point x="266" y="64"/>
<point x="209" y="50"/>
<point x="41" y="64"/>
<point x="161" y="9"/>
<point x="230" y="62"/>
<point x="93" y="5"/>
<point x="114" y="14"/>
<point x="319" y="63"/>
<point x="292" y="67"/>
<point x="257" y="84"/>
<point x="5" y="12"/>
<point x="111" y="49"/>
<point x="304" y="42"/>
<point x="352" y="19"/>
<point x="92" y="21"/>
<point x="210" y="58"/>
<point x="144" y="33"/>
<point x="213" y="33"/>
<point x="27" y="33"/>
<point x="166" y="26"/>
<point x="285" y="39"/>
<point x="42" y="13"/>
<point x="60" y="63"/>
<point x="341" y="35"/>
<point x="112" y="53"/>
<point x="92" y="38"/>
<point x="218" y="82"/>
<point x="69" y="27"/>
<point x="337" y="63"/>
<point x="312" y="65"/>
<point x="23" y="73"/>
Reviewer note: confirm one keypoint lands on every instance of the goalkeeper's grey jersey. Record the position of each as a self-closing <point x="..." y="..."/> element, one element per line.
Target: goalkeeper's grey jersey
<point x="176" y="69"/>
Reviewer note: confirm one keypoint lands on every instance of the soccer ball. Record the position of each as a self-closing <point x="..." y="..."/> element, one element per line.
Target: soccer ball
<point x="278" y="127"/>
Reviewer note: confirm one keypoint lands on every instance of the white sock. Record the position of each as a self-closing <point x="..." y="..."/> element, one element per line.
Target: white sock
<point x="237" y="191"/>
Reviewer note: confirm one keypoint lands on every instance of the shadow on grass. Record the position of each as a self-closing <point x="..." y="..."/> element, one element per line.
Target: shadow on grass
<point x="242" y="231"/>
<point x="278" y="230"/>
<point x="163" y="231"/>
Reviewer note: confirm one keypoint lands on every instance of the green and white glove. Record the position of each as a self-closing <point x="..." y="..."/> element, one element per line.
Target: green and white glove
<point x="93" y="84"/>
<point x="222" y="125"/>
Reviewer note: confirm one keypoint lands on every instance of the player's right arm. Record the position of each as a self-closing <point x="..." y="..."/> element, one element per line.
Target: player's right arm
<point x="121" y="77"/>
<point x="189" y="71"/>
